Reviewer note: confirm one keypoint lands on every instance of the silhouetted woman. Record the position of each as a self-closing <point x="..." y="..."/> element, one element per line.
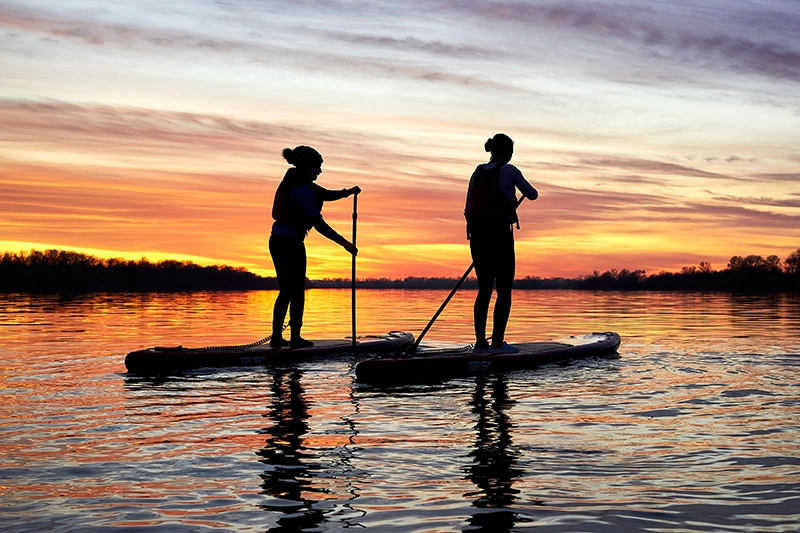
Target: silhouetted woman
<point x="491" y="213"/>
<point x="298" y="208"/>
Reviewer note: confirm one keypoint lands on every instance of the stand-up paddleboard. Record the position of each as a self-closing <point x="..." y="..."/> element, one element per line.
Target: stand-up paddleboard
<point x="434" y="364"/>
<point x="160" y="360"/>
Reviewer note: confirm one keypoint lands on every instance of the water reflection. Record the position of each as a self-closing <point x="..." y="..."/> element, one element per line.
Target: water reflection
<point x="695" y="424"/>
<point x="289" y="469"/>
<point x="494" y="458"/>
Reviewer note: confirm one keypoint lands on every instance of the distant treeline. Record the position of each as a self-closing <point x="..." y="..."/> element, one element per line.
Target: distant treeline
<point x="414" y="282"/>
<point x="61" y="271"/>
<point x="750" y="273"/>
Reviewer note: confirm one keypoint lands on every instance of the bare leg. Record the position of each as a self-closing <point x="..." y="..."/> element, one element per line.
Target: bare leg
<point x="505" y="260"/>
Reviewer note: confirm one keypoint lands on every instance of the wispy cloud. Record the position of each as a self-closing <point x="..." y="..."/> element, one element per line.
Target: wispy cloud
<point x="149" y="138"/>
<point x="739" y="38"/>
<point x="788" y="177"/>
<point x="261" y="48"/>
<point x="653" y="167"/>
<point x="133" y="129"/>
<point x="413" y="44"/>
<point x="99" y="33"/>
<point x="156" y="139"/>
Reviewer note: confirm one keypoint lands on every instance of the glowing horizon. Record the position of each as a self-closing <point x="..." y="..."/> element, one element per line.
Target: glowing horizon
<point x="658" y="136"/>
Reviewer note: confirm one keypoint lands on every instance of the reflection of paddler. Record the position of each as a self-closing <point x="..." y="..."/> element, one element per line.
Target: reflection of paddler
<point x="283" y="451"/>
<point x="289" y="473"/>
<point x="494" y="469"/>
<point x="491" y="214"/>
<point x="298" y="208"/>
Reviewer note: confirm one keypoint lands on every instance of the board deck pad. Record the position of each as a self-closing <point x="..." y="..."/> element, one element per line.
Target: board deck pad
<point x="434" y="363"/>
<point x="166" y="359"/>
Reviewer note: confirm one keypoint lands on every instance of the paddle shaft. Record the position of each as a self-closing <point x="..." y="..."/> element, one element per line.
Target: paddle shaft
<point x="353" y="274"/>
<point x="415" y="345"/>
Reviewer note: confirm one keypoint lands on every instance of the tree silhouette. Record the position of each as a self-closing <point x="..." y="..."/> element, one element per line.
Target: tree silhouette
<point x="792" y="263"/>
<point x="63" y="271"/>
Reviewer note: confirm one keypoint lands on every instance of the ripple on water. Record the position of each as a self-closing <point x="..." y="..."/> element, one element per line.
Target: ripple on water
<point x="693" y="428"/>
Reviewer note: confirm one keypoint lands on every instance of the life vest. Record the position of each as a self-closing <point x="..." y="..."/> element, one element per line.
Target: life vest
<point x="286" y="211"/>
<point x="488" y="208"/>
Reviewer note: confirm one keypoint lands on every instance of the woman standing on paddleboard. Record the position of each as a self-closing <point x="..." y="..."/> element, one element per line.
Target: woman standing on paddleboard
<point x="298" y="208"/>
<point x="491" y="213"/>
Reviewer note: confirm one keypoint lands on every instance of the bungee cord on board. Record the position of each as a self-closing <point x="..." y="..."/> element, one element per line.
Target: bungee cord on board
<point x="240" y="346"/>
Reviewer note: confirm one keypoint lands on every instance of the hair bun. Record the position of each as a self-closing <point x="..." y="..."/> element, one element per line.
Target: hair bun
<point x="302" y="155"/>
<point x="499" y="143"/>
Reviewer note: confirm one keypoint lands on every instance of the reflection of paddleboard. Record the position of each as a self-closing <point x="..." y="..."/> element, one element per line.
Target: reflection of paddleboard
<point x="448" y="362"/>
<point x="161" y="360"/>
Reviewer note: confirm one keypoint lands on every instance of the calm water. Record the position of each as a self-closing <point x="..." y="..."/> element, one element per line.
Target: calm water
<point x="695" y="427"/>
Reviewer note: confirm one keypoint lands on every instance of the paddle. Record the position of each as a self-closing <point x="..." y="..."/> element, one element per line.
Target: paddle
<point x="413" y="348"/>
<point x="353" y="275"/>
<point x="415" y="345"/>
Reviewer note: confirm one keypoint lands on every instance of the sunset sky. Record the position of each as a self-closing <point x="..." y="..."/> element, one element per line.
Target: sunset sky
<point x="659" y="134"/>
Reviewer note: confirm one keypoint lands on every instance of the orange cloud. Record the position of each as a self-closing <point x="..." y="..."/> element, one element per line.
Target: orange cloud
<point x="135" y="182"/>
